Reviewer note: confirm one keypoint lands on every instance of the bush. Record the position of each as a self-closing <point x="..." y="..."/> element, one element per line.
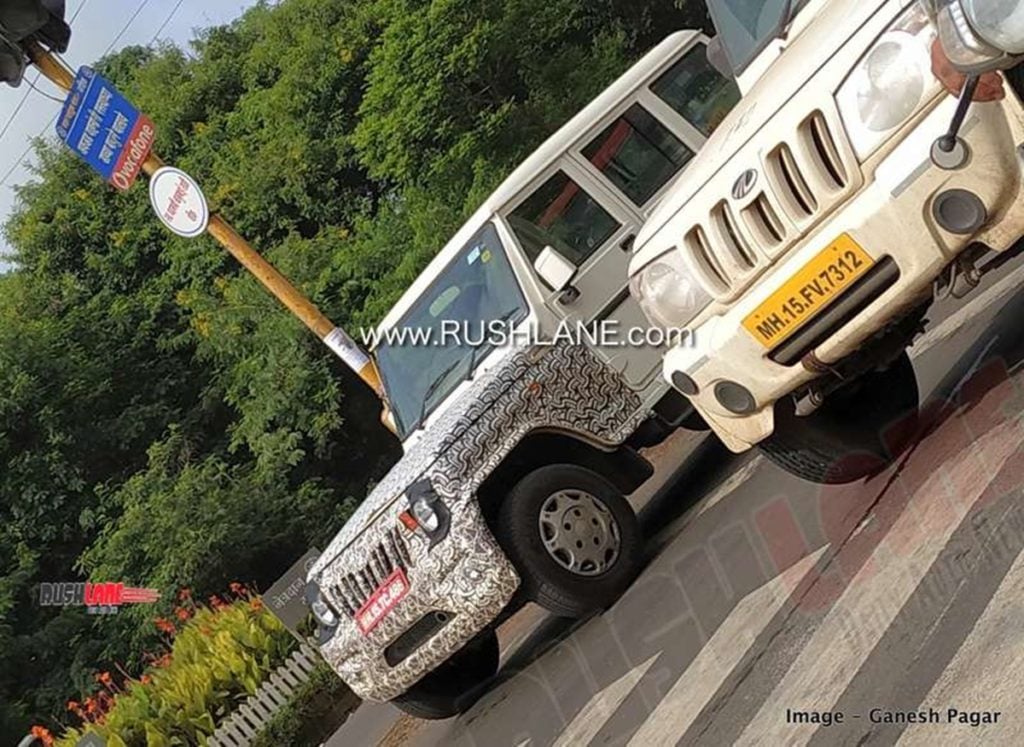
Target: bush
<point x="220" y="656"/>
<point x="315" y="712"/>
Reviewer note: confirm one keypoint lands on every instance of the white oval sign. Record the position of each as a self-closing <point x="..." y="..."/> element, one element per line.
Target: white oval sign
<point x="179" y="202"/>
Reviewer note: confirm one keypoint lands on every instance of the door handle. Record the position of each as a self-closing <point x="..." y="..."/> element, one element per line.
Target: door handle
<point x="626" y="244"/>
<point x="569" y="296"/>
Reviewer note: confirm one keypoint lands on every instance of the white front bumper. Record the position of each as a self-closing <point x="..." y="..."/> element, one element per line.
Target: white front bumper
<point x="890" y="216"/>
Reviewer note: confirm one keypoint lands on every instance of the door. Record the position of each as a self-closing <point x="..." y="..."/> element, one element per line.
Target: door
<point x="591" y="205"/>
<point x="568" y="210"/>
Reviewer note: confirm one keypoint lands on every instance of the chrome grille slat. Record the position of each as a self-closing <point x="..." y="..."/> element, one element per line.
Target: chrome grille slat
<point x="354" y="589"/>
<point x="706" y="260"/>
<point x="818" y="141"/>
<point x="791" y="185"/>
<point x="806" y="175"/>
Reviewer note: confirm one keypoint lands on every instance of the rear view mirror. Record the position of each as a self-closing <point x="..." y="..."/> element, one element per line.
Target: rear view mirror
<point x="554" y="269"/>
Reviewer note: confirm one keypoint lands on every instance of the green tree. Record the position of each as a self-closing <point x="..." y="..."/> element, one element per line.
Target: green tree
<point x="162" y="421"/>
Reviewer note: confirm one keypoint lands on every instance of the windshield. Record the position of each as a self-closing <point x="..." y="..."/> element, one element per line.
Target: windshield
<point x="746" y="26"/>
<point x="438" y="343"/>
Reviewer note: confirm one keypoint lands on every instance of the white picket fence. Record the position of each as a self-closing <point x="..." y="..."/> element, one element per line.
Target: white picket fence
<point x="249" y="720"/>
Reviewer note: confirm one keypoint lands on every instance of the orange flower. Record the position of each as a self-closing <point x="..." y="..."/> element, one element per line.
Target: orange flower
<point x="43" y="734"/>
<point x="104" y="678"/>
<point x="182" y="614"/>
<point x="145" y="679"/>
<point x="217" y="603"/>
<point x="73" y="706"/>
<point x="165" y="626"/>
<point x="237" y="588"/>
<point x="255" y="604"/>
<point x="184" y="594"/>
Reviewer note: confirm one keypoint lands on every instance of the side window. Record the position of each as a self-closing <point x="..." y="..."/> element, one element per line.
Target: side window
<point x="698" y="92"/>
<point x="562" y="215"/>
<point x="638" y="154"/>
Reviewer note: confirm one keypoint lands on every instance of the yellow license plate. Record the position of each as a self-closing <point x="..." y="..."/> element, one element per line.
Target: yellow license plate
<point x="809" y="291"/>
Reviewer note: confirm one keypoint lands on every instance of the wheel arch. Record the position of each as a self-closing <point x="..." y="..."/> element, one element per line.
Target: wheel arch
<point x="622" y="466"/>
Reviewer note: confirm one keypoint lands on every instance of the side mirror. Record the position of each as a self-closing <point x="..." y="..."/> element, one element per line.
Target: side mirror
<point x="554" y="269"/>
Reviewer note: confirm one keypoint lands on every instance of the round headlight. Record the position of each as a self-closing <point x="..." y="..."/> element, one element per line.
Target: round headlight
<point x="322" y="611"/>
<point x="891" y="84"/>
<point x="324" y="614"/>
<point x="667" y="293"/>
<point x="425" y="514"/>
<point x="999" y="22"/>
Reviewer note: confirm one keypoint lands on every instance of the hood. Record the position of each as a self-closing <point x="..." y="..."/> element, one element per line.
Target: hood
<point x="422" y="454"/>
<point x="833" y="24"/>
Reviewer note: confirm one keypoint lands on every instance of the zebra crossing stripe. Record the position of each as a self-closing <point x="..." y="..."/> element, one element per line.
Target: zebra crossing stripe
<point x="874" y="597"/>
<point x="726" y="649"/>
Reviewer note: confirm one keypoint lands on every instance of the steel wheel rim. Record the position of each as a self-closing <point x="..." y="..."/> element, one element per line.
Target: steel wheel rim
<point x="579" y="532"/>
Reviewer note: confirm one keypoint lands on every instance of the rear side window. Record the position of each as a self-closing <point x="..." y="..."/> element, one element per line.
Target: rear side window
<point x="561" y="214"/>
<point x="638" y="154"/>
<point x="698" y="92"/>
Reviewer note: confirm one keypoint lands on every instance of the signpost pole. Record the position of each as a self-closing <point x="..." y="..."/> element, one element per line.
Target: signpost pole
<point x="331" y="335"/>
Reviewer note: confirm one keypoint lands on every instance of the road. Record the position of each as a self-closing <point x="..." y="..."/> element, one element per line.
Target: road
<point x="774" y="611"/>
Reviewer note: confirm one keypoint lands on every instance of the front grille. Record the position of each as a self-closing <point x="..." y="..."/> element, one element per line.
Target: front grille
<point x="804" y="176"/>
<point x="354" y="589"/>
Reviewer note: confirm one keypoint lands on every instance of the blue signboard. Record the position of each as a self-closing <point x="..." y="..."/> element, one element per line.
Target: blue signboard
<point x="105" y="130"/>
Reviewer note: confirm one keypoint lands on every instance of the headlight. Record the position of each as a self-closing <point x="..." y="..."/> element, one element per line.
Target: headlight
<point x="999" y="22"/>
<point x="322" y="611"/>
<point x="979" y="36"/>
<point x="427" y="510"/>
<point x="890" y="83"/>
<point x="425" y="513"/>
<point x="668" y="293"/>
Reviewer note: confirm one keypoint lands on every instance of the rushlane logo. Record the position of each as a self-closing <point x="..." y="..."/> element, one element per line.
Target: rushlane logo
<point x="98" y="599"/>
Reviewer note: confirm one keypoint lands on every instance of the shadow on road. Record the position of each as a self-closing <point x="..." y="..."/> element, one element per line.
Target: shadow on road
<point x="705" y="559"/>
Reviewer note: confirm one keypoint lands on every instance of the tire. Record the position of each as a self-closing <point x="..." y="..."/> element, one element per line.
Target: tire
<point x="538" y="509"/>
<point x="860" y="429"/>
<point x="454" y="686"/>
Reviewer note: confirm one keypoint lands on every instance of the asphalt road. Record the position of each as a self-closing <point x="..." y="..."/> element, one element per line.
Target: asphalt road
<point x="766" y="595"/>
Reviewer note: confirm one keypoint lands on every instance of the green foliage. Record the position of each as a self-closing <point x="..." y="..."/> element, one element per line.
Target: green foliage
<point x="162" y="420"/>
<point x="314" y="713"/>
<point x="220" y="657"/>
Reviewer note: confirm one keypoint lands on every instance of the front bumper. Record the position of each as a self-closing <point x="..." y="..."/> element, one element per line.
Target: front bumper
<point x="891" y="215"/>
<point x="466" y="576"/>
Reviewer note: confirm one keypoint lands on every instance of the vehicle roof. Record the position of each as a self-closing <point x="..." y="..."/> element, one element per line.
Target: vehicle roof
<point x="552" y="149"/>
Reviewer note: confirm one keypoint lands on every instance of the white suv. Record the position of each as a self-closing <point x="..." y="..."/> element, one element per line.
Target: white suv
<point x="518" y="457"/>
<point x="809" y="237"/>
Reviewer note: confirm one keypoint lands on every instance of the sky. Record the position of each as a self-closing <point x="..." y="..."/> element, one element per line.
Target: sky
<point x="98" y="24"/>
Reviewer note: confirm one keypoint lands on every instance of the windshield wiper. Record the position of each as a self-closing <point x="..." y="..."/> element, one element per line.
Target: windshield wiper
<point x="472" y="359"/>
<point x="432" y="390"/>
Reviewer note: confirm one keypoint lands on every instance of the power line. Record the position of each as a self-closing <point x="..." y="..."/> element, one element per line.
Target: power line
<point x="77" y="12"/>
<point x="138" y="11"/>
<point x="32" y="86"/>
<point x="43" y="93"/>
<point x="21" y="158"/>
<point x="14" y="167"/>
<point x="167" y="20"/>
<point x="17" y="109"/>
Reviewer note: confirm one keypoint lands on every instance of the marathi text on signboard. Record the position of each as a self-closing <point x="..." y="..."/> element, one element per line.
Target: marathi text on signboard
<point x="105" y="130"/>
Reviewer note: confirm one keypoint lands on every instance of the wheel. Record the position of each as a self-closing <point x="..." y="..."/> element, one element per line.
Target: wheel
<point x="857" y="432"/>
<point x="454" y="686"/>
<point x="573" y="538"/>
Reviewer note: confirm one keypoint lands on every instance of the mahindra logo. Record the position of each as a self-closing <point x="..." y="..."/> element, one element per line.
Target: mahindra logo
<point x="744" y="185"/>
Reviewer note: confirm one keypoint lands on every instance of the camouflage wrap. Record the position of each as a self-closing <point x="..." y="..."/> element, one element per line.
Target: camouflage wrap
<point x="562" y="388"/>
